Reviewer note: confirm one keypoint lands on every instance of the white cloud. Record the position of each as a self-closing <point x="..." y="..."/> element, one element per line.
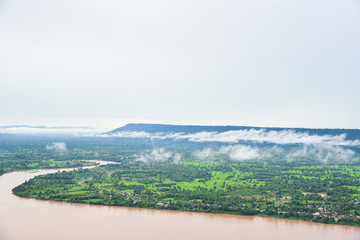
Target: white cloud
<point x="130" y="134"/>
<point x="277" y="137"/>
<point x="159" y="154"/>
<point x="57" y="146"/>
<point x="323" y="153"/>
<point x="323" y="148"/>
<point x="203" y="154"/>
<point x="177" y="157"/>
<point x="241" y="152"/>
<point x="142" y="134"/>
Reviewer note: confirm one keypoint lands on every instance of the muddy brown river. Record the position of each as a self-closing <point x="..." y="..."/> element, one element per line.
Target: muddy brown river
<point x="31" y="219"/>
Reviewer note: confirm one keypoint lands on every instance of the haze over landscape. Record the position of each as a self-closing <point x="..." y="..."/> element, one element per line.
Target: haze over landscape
<point x="249" y="63"/>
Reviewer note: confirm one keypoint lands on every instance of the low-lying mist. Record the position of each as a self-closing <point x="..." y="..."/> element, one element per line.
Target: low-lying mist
<point x="322" y="153"/>
<point x="159" y="154"/>
<point x="248" y="144"/>
<point x="57" y="146"/>
<point x="251" y="135"/>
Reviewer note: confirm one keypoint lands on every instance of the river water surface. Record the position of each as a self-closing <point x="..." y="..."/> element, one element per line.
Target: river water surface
<point x="31" y="219"/>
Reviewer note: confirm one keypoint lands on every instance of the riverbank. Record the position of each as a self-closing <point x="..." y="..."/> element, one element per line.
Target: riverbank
<point x="300" y="220"/>
<point x="274" y="190"/>
<point x="159" y="208"/>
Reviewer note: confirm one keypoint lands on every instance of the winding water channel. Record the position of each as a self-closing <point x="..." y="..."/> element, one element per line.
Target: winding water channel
<point x="30" y="219"/>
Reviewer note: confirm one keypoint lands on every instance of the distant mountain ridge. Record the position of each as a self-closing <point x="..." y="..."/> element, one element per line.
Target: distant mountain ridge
<point x="168" y="128"/>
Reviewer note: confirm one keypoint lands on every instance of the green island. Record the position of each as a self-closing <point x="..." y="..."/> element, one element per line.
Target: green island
<point x="296" y="189"/>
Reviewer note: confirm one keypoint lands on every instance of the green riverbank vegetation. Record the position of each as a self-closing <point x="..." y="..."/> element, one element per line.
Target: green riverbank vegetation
<point x="297" y="189"/>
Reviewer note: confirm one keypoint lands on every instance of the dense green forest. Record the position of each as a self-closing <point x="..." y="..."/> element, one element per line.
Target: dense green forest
<point x="296" y="189"/>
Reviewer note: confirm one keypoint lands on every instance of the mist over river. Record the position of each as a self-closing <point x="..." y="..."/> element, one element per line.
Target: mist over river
<point x="30" y="219"/>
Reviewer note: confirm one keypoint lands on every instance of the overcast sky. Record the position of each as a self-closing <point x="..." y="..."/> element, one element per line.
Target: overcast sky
<point x="103" y="63"/>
